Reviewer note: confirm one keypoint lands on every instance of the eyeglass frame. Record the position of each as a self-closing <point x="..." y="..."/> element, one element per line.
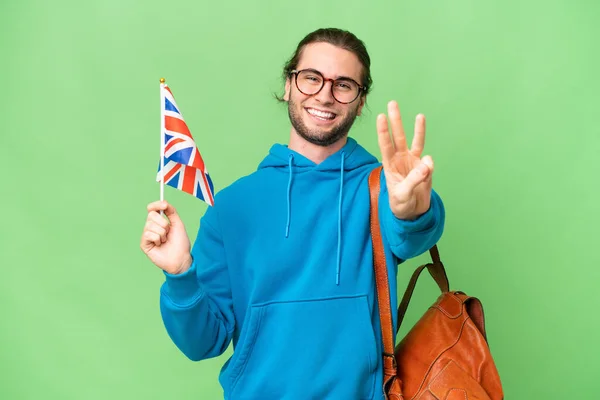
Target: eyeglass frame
<point x="361" y="88"/>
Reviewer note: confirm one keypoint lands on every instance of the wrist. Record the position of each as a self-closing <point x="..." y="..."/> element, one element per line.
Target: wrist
<point x="186" y="264"/>
<point x="183" y="267"/>
<point x="182" y="289"/>
<point x="405" y="213"/>
<point x="406" y="217"/>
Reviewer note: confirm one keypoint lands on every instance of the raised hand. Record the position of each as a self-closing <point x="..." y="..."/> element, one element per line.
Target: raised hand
<point x="166" y="243"/>
<point x="407" y="175"/>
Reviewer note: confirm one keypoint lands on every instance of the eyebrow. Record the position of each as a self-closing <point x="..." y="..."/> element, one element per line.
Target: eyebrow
<point x="345" y="78"/>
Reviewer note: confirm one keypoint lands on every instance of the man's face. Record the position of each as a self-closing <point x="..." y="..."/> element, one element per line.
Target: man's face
<point x="332" y="62"/>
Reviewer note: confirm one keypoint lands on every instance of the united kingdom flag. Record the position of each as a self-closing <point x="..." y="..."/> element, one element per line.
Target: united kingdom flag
<point x="184" y="168"/>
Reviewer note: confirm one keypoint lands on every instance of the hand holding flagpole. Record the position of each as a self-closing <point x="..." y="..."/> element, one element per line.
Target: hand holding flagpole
<point x="164" y="240"/>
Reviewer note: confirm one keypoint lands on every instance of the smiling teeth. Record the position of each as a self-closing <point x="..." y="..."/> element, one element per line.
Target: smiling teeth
<point x="321" y="114"/>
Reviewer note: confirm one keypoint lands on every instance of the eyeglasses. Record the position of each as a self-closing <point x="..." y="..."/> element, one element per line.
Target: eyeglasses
<point x="310" y="82"/>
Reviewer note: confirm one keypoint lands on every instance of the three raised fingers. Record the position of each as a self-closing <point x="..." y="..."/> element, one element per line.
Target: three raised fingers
<point x="398" y="141"/>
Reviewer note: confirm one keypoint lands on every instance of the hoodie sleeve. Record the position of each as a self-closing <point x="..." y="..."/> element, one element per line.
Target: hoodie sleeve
<point x="196" y="306"/>
<point x="408" y="239"/>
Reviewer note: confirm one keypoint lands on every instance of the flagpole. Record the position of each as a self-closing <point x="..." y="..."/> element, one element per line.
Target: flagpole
<point x="162" y="141"/>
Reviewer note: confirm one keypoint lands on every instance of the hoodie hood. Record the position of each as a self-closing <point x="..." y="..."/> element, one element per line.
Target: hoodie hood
<point x="348" y="158"/>
<point x="354" y="156"/>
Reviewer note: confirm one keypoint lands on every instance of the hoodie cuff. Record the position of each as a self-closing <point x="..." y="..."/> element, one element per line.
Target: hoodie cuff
<point x="400" y="230"/>
<point x="183" y="289"/>
<point x="423" y="222"/>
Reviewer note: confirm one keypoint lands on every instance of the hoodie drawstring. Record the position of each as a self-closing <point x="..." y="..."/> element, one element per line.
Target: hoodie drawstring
<point x="339" y="249"/>
<point x="289" y="209"/>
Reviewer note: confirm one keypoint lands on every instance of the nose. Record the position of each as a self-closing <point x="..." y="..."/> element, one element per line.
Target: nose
<point x="325" y="96"/>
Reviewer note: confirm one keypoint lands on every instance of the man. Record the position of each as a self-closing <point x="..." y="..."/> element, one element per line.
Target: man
<point x="282" y="264"/>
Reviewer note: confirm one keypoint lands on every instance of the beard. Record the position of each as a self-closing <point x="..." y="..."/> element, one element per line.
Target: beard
<point x="320" y="137"/>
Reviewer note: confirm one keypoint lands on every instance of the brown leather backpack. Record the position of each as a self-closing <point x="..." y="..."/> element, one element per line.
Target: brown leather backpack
<point x="445" y="356"/>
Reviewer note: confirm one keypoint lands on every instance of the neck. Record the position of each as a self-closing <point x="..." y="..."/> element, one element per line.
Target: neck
<point x="313" y="152"/>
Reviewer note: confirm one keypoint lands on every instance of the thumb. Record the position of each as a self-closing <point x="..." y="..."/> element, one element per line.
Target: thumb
<point x="172" y="215"/>
<point x="168" y="210"/>
<point x="429" y="162"/>
<point x="417" y="175"/>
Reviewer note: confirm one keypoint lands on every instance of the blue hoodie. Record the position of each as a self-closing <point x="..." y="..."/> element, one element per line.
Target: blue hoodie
<point x="282" y="266"/>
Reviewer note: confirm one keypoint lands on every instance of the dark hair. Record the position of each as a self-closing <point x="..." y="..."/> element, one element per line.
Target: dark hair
<point x="337" y="37"/>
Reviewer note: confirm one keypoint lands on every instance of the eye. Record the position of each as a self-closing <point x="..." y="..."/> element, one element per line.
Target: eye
<point x="344" y="85"/>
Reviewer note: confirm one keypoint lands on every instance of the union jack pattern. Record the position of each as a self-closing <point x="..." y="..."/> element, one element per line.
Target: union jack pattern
<point x="184" y="166"/>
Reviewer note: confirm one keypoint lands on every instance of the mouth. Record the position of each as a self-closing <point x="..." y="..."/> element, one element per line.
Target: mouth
<point x="320" y="116"/>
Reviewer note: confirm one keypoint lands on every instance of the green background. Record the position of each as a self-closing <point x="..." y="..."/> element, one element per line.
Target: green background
<point x="510" y="90"/>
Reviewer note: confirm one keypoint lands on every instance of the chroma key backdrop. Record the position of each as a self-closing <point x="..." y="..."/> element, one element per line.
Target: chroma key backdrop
<point x="510" y="90"/>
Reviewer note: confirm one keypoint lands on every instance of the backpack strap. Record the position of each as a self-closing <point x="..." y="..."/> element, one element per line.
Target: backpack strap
<point x="391" y="384"/>
<point x="436" y="269"/>
<point x="438" y="273"/>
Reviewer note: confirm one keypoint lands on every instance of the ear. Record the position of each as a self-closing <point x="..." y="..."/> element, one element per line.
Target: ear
<point x="361" y="104"/>
<point x="286" y="96"/>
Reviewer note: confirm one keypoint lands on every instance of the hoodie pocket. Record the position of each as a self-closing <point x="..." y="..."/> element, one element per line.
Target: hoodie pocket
<point x="314" y="349"/>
